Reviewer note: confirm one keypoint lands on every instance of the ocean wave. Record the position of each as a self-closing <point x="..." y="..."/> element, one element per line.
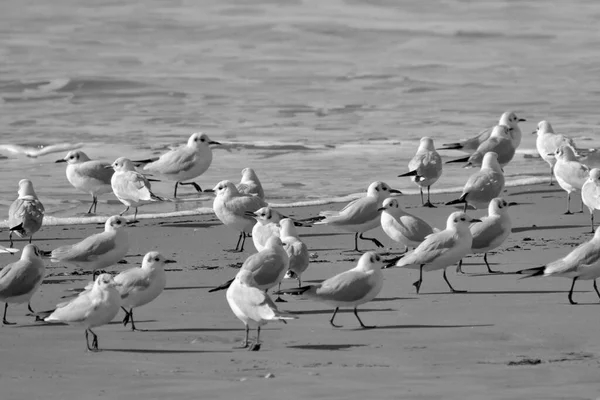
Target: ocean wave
<point x="274" y="146"/>
<point x="34" y="151"/>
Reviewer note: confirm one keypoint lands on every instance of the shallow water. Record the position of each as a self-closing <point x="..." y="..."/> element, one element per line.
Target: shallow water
<point x="326" y="97"/>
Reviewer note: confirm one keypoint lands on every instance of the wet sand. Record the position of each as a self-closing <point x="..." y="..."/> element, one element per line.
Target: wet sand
<point x="504" y="339"/>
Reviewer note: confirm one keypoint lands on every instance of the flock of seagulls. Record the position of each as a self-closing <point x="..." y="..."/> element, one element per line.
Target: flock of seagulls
<point x="280" y="252"/>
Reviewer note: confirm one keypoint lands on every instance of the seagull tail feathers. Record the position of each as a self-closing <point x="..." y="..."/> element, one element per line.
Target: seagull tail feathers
<point x="411" y="173"/>
<point x="221" y="287"/>
<point x="458" y="160"/>
<point x="531" y="272"/>
<point x="452" y="146"/>
<point x="460" y="200"/>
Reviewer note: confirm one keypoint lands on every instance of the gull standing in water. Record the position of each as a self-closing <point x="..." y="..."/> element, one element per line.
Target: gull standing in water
<point x="97" y="251"/>
<point x="401" y="226"/>
<point x="360" y="215"/>
<point x="484" y="185"/>
<point x="249" y="184"/>
<point x="569" y="173"/>
<point x="351" y="288"/>
<point x="232" y="209"/>
<point x="140" y="286"/>
<point x="491" y="232"/>
<point x="590" y="193"/>
<point x="547" y="142"/>
<point x="131" y="188"/>
<point x="441" y="249"/>
<point x="89" y="176"/>
<point x="509" y="119"/>
<point x="500" y="142"/>
<point x="425" y="168"/>
<point x="92" y="308"/>
<point x="295" y="249"/>
<point x="26" y="213"/>
<point x="252" y="306"/>
<point x="20" y="280"/>
<point x="581" y="263"/>
<point x="183" y="163"/>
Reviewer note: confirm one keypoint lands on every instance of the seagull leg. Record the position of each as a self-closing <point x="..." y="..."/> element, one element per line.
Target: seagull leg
<point x="175" y="192"/>
<point x="488" y="266"/>
<point x="279" y="299"/>
<point x="133" y="328"/>
<point x="466" y="206"/>
<point x="30" y="239"/>
<point x="459" y="267"/>
<point x="244" y="344"/>
<point x="450" y="286"/>
<point x="361" y="323"/>
<point x="568" y="212"/>
<point x="571" y="291"/>
<point x="596" y="288"/>
<point x="10" y="238"/>
<point x="95" y="204"/>
<point x="92" y="205"/>
<point x="87" y="342"/>
<point x="355" y="242"/>
<point x="417" y="284"/>
<point x="429" y="203"/>
<point x="94" y="340"/>
<point x="124" y="211"/>
<point x="551" y="176"/>
<point x="30" y="309"/>
<point x="421" y="190"/>
<point x="194" y="184"/>
<point x="377" y="242"/>
<point x="333" y="317"/>
<point x="256" y="345"/>
<point x="126" y="318"/>
<point x="581" y="208"/>
<point x="592" y="218"/>
<point x="4" y="321"/>
<point x="243" y="241"/>
<point x="135" y="216"/>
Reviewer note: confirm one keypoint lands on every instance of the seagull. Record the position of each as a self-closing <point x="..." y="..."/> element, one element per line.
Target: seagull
<point x="295" y="249"/>
<point x="140" y="286"/>
<point x="360" y="215"/>
<point x="26" y="213"/>
<point x="351" y="288"/>
<point x="267" y="225"/>
<point x="92" y="308"/>
<point x="232" y="207"/>
<point x="250" y="184"/>
<point x="401" y="226"/>
<point x="583" y="263"/>
<point x="500" y="142"/>
<point x="509" y="119"/>
<point x="20" y="280"/>
<point x="590" y="193"/>
<point x="484" y="185"/>
<point x="425" y="168"/>
<point x="267" y="267"/>
<point x="441" y="249"/>
<point x="252" y="306"/>
<point x="547" y="142"/>
<point x="97" y="251"/>
<point x="89" y="176"/>
<point x="131" y="188"/>
<point x="491" y="232"/>
<point x="183" y="163"/>
<point x="569" y="173"/>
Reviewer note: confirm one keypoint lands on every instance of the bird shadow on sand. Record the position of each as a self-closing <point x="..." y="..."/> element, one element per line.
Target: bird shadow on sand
<point x="330" y="347"/>
<point x="136" y="321"/>
<point x="192" y="225"/>
<point x="344" y="311"/>
<point x="546" y="227"/>
<point x="205" y="330"/>
<point x="416" y="326"/>
<point x="164" y="351"/>
<point x="188" y="287"/>
<point x="505" y="292"/>
<point x="540" y="191"/>
<point x="391" y="299"/>
<point x="325" y="234"/>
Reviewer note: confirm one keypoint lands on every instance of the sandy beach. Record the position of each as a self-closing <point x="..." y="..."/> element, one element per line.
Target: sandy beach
<point x="504" y="339"/>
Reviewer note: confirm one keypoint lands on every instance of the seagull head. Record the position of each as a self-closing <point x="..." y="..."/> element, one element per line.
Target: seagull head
<point x="152" y="260"/>
<point x="498" y="206"/>
<point x="510" y="118"/>
<point x="26" y="188"/>
<point x="114" y="223"/>
<point x="122" y="164"/>
<point x="225" y="188"/>
<point x="380" y="190"/>
<point x="74" y="157"/>
<point x="460" y="221"/>
<point x="390" y="204"/>
<point x="199" y="139"/>
<point x="543" y="127"/>
<point x="264" y="215"/>
<point x="370" y="261"/>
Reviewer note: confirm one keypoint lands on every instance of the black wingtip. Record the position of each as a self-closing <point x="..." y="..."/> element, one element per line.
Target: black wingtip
<point x="411" y="173"/>
<point x="221" y="287"/>
<point x="17" y="228"/>
<point x="531" y="272"/>
<point x="451" y="146"/>
<point x="462" y="199"/>
<point x="458" y="160"/>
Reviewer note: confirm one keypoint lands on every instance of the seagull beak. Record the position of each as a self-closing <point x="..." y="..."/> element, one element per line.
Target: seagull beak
<point x="60" y="161"/>
<point x="44" y="253"/>
<point x="380" y="209"/>
<point x="475" y="220"/>
<point x="513" y="203"/>
<point x="522" y="120"/>
<point x="550" y="154"/>
<point x="214" y="142"/>
<point x="250" y="214"/>
<point x="534" y="132"/>
<point x="107" y="166"/>
<point x="395" y="191"/>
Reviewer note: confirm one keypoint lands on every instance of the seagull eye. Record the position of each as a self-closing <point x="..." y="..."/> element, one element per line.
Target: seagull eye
<point x="371" y="259"/>
<point x="384" y="188"/>
<point x="202" y="140"/>
<point x="118" y="222"/>
<point x="156" y="259"/>
<point x="462" y="219"/>
<point x="377" y="258"/>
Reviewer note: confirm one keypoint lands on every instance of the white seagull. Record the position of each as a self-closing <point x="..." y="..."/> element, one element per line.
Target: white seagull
<point x="87" y="175"/>
<point x="500" y="142"/>
<point x="250" y="184"/>
<point x="267" y="225"/>
<point x="401" y="226"/>
<point x="547" y="142"/>
<point x="590" y="193"/>
<point x="360" y="215"/>
<point x="26" y="213"/>
<point x="425" y="168"/>
<point x="569" y="173"/>
<point x="295" y="249"/>
<point x="184" y="162"/>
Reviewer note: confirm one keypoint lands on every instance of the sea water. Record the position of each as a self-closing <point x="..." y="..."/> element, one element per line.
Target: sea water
<point x="319" y="97"/>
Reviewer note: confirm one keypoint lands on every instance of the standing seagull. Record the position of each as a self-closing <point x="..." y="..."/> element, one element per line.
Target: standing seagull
<point x="547" y="142"/>
<point x="139" y="286"/>
<point x="401" y="226"/>
<point x="425" y="168"/>
<point x="249" y="184"/>
<point x="21" y="279"/>
<point x="131" y="187"/>
<point x="509" y="119"/>
<point x="360" y="215"/>
<point x="569" y="173"/>
<point x="232" y="207"/>
<point x="26" y="213"/>
<point x="590" y="193"/>
<point x="252" y="306"/>
<point x="92" y="308"/>
<point x="89" y="176"/>
<point x="491" y="232"/>
<point x="295" y="249"/>
<point x="484" y="185"/>
<point x="183" y="163"/>
<point x="351" y="288"/>
<point x="581" y="263"/>
<point x="500" y="142"/>
<point x="97" y="251"/>
<point x="441" y="249"/>
<point x="267" y="225"/>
